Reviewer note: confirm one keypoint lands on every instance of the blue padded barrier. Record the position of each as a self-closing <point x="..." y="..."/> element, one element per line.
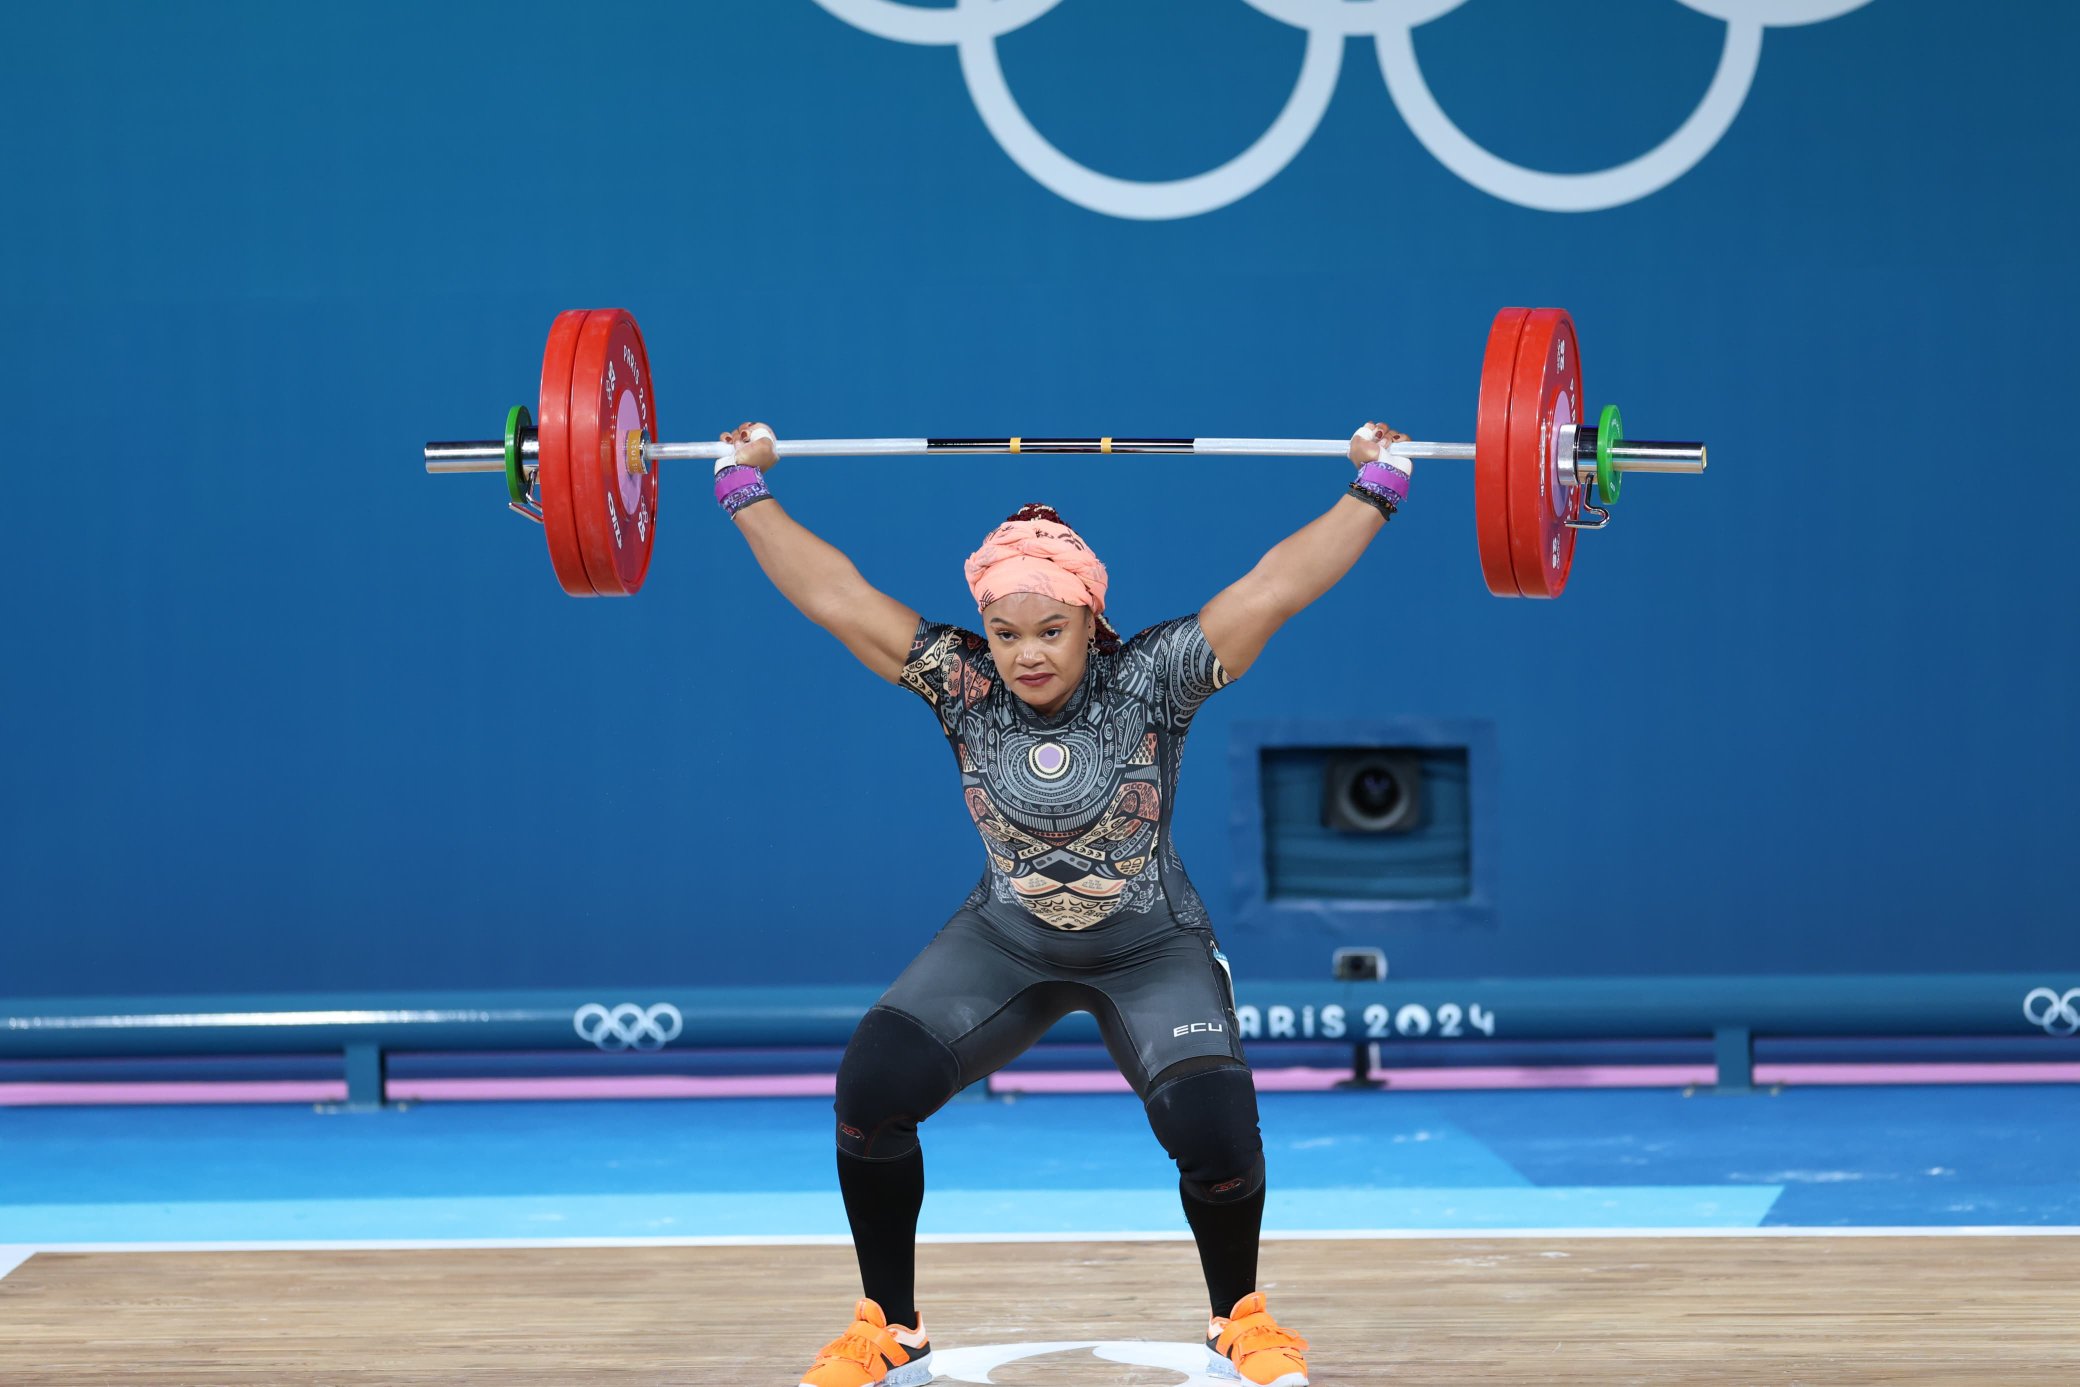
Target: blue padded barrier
<point x="651" y="1018"/>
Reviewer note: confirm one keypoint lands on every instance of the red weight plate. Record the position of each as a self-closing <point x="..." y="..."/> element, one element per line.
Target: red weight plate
<point x="553" y="461"/>
<point x="1545" y="397"/>
<point x="1491" y="452"/>
<point x="610" y="400"/>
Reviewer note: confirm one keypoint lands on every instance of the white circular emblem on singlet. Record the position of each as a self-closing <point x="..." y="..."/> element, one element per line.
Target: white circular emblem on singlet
<point x="1049" y="760"/>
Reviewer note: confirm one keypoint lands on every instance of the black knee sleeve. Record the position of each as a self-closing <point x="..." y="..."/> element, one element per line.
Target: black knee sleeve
<point x="894" y="1075"/>
<point x="1205" y="1114"/>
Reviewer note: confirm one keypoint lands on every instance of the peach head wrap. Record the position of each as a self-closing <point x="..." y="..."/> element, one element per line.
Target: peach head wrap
<point x="1043" y="556"/>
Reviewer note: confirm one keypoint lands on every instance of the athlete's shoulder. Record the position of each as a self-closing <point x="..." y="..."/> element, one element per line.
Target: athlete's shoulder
<point x="1176" y="658"/>
<point x="937" y="639"/>
<point x="1166" y="640"/>
<point x="948" y="664"/>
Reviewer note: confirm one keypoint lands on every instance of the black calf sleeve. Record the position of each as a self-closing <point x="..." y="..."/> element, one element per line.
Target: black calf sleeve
<point x="894" y="1075"/>
<point x="1227" y="1236"/>
<point x="881" y="1203"/>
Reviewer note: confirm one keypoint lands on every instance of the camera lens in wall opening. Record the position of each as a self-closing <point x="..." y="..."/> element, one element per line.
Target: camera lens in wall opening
<point x="1375" y="793"/>
<point x="1372" y="792"/>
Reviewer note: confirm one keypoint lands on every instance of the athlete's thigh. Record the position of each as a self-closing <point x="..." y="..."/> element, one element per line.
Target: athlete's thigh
<point x="986" y="1001"/>
<point x="1173" y="1002"/>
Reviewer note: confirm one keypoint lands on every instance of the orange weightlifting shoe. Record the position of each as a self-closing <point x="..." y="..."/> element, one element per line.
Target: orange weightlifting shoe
<point x="1247" y="1345"/>
<point x="873" y="1353"/>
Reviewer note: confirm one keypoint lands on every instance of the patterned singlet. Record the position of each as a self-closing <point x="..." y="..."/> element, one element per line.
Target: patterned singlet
<point x="1074" y="809"/>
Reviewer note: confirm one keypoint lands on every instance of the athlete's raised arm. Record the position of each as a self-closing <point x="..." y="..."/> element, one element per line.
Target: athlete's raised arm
<point x="1307" y="563"/>
<point x="814" y="575"/>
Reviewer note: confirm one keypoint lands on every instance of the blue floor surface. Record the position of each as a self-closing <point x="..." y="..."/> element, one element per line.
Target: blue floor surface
<point x="1612" y="1159"/>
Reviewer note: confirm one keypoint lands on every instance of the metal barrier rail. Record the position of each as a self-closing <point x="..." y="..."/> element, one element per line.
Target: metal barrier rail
<point x="1731" y="1010"/>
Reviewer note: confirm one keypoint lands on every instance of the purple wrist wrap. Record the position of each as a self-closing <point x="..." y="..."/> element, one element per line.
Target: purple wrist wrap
<point x="1385" y="481"/>
<point x="739" y="486"/>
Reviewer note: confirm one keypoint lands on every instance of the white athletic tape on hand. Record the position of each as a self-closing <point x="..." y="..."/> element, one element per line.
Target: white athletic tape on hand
<point x="1404" y="465"/>
<point x="729" y="459"/>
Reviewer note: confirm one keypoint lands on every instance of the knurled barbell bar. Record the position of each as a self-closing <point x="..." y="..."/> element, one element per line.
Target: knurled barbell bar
<point x="585" y="466"/>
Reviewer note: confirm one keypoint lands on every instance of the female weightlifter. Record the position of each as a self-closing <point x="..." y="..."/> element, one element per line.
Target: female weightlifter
<point x="1068" y="741"/>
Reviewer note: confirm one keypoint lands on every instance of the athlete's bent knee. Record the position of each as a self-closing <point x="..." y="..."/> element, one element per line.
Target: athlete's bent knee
<point x="1206" y="1118"/>
<point x="894" y="1075"/>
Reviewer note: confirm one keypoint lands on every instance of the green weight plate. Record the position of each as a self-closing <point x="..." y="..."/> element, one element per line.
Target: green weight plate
<point x="1610" y="431"/>
<point x="518" y="421"/>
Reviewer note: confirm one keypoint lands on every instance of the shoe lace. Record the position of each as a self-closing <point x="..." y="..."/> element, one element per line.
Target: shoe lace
<point x="862" y="1344"/>
<point x="1257" y="1333"/>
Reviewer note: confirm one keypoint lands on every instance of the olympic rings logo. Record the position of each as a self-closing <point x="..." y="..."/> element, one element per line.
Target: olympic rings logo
<point x="628" y="1026"/>
<point x="2058" y="1015"/>
<point x="974" y="26"/>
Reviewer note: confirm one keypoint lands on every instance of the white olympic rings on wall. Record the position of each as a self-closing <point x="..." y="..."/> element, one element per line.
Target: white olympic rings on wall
<point x="974" y="26"/>
<point x="628" y="1026"/>
<point x="2058" y="1015"/>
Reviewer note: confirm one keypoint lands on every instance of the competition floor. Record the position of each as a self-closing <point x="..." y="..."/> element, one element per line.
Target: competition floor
<point x="1817" y="1235"/>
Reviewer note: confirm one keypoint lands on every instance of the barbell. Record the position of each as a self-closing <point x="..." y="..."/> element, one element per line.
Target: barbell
<point x="585" y="464"/>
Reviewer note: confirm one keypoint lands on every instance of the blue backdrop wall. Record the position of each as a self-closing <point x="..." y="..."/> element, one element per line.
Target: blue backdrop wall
<point x="281" y="711"/>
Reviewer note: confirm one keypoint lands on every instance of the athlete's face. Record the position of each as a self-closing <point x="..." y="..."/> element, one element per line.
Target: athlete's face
<point x="1041" y="646"/>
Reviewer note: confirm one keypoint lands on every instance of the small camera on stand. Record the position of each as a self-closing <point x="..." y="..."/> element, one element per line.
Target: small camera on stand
<point x="1360" y="965"/>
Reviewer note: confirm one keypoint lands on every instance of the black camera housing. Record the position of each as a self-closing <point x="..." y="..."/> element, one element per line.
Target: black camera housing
<point x="1373" y="792"/>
